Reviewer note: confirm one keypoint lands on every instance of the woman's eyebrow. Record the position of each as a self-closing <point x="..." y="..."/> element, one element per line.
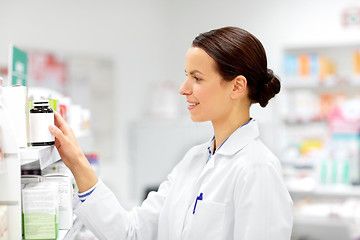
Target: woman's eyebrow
<point x="195" y="71"/>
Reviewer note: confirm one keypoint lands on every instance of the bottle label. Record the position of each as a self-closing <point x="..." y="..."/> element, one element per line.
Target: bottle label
<point x="39" y="127"/>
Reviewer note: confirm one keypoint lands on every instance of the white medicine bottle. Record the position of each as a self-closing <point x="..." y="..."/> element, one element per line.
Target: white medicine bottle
<point x="41" y="117"/>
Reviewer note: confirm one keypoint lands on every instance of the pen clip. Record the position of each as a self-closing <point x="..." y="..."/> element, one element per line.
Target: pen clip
<point x="200" y="197"/>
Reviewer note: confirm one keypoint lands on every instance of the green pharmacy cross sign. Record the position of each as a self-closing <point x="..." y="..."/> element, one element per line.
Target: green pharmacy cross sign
<point x="18" y="67"/>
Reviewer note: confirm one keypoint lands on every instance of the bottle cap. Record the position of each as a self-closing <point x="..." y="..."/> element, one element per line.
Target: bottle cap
<point x="41" y="102"/>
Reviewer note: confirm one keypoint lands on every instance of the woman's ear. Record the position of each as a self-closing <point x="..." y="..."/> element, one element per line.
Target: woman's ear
<point x="239" y="86"/>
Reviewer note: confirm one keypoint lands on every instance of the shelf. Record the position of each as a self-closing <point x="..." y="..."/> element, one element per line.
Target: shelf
<point x="300" y="218"/>
<point x="322" y="227"/>
<point x="314" y="83"/>
<point x="302" y="122"/>
<point x="45" y="155"/>
<point x="333" y="191"/>
<point x="329" y="44"/>
<point x="9" y="203"/>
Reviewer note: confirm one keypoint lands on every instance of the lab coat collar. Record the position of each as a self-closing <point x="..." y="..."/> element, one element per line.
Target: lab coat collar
<point x="239" y="139"/>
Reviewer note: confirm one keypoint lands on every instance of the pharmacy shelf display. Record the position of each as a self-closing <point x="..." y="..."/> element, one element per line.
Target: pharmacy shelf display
<point x="52" y="176"/>
<point x="10" y="192"/>
<point x="320" y="127"/>
<point x="43" y="156"/>
<point x="321" y="88"/>
<point x="10" y="183"/>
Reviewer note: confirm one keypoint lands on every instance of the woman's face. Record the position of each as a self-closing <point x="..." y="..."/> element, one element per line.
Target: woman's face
<point x="207" y="94"/>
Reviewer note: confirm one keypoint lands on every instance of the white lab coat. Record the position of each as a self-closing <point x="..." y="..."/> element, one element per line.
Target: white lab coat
<point x="244" y="197"/>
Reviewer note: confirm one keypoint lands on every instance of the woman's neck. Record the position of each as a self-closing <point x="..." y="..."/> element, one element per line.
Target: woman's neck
<point x="223" y="129"/>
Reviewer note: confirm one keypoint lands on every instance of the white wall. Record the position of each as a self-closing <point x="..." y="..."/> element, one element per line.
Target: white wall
<point x="147" y="40"/>
<point x="131" y="33"/>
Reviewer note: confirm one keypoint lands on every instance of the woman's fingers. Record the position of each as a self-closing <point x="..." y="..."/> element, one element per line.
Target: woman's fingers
<point x="61" y="123"/>
<point x="57" y="133"/>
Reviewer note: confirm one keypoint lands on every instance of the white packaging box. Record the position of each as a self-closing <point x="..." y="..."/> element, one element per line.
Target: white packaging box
<point x="15" y="101"/>
<point x="7" y="131"/>
<point x="65" y="199"/>
<point x="26" y="179"/>
<point x="40" y="210"/>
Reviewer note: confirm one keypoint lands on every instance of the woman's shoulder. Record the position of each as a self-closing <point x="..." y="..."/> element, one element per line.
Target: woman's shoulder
<point x="257" y="154"/>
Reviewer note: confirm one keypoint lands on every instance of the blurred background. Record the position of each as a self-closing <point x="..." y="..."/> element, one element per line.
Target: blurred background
<point x="123" y="61"/>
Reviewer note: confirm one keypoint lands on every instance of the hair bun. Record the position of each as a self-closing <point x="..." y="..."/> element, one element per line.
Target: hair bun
<point x="273" y="81"/>
<point x="271" y="88"/>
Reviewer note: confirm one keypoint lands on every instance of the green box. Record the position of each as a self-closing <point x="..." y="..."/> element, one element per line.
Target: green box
<point x="40" y="226"/>
<point x="19" y="68"/>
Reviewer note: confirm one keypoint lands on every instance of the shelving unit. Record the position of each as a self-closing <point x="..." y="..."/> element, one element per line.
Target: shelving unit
<point x="307" y="121"/>
<point x="45" y="156"/>
<point x="10" y="193"/>
<point x="323" y="68"/>
<point x="30" y="159"/>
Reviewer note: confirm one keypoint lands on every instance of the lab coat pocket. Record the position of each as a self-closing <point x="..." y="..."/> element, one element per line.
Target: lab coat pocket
<point x="208" y="221"/>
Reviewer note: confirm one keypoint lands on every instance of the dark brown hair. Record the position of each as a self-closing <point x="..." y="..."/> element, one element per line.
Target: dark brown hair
<point x="238" y="52"/>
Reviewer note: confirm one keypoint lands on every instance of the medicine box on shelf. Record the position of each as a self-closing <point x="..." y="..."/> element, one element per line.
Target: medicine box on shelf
<point x="46" y="155"/>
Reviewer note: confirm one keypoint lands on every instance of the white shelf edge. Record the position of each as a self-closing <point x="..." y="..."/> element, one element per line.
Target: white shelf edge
<point x="320" y="44"/>
<point x="314" y="83"/>
<point x="339" y="191"/>
<point x="302" y="218"/>
<point x="46" y="155"/>
<point x="301" y="122"/>
<point x="9" y="203"/>
<point x="10" y="155"/>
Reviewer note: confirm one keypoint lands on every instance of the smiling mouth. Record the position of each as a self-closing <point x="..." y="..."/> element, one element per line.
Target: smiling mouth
<point x="193" y="104"/>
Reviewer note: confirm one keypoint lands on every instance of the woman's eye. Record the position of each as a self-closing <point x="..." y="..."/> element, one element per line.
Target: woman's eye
<point x="196" y="78"/>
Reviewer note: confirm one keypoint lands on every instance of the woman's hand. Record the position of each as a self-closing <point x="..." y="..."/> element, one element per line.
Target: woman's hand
<point x="66" y="142"/>
<point x="72" y="155"/>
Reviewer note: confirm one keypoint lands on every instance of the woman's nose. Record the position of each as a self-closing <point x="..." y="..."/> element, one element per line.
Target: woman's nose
<point x="185" y="88"/>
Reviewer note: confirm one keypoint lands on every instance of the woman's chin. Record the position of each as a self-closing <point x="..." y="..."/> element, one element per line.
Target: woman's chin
<point x="197" y="119"/>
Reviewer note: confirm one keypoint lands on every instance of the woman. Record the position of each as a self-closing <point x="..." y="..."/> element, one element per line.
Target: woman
<point x="228" y="188"/>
